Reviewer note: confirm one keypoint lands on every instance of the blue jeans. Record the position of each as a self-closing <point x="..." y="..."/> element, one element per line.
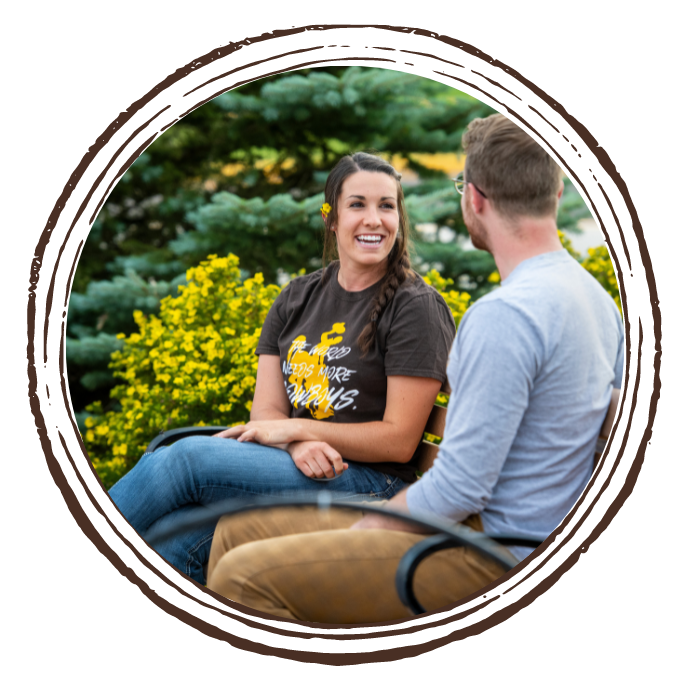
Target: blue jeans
<point x="164" y="486"/>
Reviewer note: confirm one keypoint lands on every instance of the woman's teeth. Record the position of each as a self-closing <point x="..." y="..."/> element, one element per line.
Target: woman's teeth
<point x="369" y="239"/>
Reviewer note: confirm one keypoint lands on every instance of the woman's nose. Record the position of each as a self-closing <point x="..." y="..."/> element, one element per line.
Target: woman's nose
<point x="371" y="218"/>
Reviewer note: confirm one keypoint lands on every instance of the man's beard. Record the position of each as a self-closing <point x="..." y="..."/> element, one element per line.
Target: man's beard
<point x="476" y="229"/>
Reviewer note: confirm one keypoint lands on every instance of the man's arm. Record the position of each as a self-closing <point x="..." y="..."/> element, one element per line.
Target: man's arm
<point x="493" y="362"/>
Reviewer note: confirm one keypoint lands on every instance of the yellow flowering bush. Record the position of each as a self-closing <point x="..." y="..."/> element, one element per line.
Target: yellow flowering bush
<point x="458" y="302"/>
<point x="194" y="364"/>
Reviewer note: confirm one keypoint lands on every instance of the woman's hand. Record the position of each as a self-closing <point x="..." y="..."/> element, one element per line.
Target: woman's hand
<point x="316" y="459"/>
<point x="273" y="432"/>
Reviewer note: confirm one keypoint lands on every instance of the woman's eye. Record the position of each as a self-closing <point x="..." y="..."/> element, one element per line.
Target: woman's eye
<point x="360" y="204"/>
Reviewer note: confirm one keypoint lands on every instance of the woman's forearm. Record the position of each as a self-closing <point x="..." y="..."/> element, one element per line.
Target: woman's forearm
<point x="366" y="442"/>
<point x="266" y="412"/>
<point x="409" y="401"/>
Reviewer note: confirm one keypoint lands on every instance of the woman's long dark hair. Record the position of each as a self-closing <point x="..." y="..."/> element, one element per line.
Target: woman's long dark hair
<point x="398" y="270"/>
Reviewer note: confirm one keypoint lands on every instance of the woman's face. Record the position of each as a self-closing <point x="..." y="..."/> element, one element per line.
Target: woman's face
<point x="367" y="222"/>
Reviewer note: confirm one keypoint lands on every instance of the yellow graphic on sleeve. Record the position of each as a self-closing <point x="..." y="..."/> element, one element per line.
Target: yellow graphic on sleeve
<point x="311" y="384"/>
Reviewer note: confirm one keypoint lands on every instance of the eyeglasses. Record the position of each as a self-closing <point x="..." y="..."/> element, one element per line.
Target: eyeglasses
<point x="460" y="183"/>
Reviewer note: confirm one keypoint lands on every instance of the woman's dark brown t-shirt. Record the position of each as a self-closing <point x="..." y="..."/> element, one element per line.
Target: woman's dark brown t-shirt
<point x="313" y="326"/>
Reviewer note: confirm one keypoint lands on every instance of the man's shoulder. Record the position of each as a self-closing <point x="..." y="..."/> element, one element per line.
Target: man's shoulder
<point x="551" y="311"/>
<point x="550" y="285"/>
<point x="493" y="317"/>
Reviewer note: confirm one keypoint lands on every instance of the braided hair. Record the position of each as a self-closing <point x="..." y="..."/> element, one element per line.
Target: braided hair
<point x="398" y="270"/>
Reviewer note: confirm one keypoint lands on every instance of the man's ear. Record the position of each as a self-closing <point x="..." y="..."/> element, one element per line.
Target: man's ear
<point x="560" y="190"/>
<point x="476" y="200"/>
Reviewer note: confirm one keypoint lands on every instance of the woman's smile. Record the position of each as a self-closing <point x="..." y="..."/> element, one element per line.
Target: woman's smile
<point x="369" y="240"/>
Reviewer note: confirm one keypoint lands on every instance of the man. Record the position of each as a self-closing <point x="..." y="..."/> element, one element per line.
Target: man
<point x="532" y="369"/>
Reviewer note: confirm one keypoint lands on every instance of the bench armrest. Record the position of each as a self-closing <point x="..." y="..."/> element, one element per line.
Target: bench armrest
<point x="404" y="576"/>
<point x="165" y="438"/>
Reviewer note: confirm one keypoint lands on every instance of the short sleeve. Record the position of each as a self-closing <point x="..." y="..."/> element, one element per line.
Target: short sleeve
<point x="273" y="325"/>
<point x="420" y="337"/>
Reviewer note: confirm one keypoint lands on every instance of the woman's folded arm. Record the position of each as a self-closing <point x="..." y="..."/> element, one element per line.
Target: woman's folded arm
<point x="409" y="400"/>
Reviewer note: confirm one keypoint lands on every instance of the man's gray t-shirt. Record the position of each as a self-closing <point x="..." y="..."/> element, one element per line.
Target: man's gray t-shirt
<point x="313" y="326"/>
<point x="531" y="372"/>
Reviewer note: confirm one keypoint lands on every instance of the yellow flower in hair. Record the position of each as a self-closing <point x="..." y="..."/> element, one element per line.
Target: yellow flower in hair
<point x="326" y="209"/>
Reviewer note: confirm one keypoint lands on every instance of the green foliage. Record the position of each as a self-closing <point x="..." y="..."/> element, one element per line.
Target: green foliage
<point x="280" y="233"/>
<point x="323" y="116"/>
<point x="117" y="299"/>
<point x="571" y="208"/>
<point x="458" y="302"/>
<point x="89" y="359"/>
<point x="95" y="317"/>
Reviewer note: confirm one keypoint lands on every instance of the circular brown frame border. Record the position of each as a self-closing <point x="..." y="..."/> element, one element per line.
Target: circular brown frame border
<point x="453" y="62"/>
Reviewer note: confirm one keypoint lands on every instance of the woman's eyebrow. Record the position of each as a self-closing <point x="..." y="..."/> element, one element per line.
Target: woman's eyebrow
<point x="359" y="196"/>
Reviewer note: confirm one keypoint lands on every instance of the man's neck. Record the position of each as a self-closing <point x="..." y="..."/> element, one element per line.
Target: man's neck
<point x="511" y="244"/>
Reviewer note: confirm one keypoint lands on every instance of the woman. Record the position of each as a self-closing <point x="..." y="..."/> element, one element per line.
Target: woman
<point x="351" y="359"/>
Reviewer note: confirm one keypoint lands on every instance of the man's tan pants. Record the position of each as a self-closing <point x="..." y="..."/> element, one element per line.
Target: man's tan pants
<point x="305" y="564"/>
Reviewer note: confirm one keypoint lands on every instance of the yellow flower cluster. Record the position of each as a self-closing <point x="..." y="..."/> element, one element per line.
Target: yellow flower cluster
<point x="568" y="245"/>
<point x="458" y="302"/>
<point x="598" y="263"/>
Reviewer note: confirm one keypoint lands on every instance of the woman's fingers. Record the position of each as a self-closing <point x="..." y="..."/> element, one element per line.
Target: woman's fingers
<point x="325" y="469"/>
<point x="334" y="459"/>
<point x="232" y="432"/>
<point x="247" y="435"/>
<point x="314" y="470"/>
<point x="318" y="460"/>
